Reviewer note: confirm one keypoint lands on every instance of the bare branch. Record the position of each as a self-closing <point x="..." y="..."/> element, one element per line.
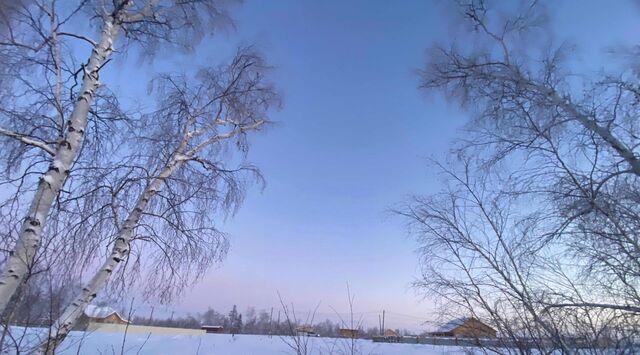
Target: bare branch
<point x="28" y="140"/>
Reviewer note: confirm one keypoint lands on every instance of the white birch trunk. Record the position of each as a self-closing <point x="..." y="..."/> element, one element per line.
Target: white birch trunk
<point x="121" y="248"/>
<point x="21" y="258"/>
<point x="63" y="325"/>
<point x="622" y="149"/>
<point x="592" y="125"/>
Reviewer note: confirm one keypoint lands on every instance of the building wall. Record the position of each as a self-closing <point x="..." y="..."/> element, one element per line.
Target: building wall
<point x="390" y="333"/>
<point x="474" y="329"/>
<point x="349" y="333"/>
<point x="113" y="319"/>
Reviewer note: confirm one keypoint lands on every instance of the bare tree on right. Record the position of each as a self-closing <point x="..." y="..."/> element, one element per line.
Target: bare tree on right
<point x="537" y="228"/>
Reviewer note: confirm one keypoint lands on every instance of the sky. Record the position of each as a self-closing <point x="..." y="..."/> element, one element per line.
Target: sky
<point x="352" y="141"/>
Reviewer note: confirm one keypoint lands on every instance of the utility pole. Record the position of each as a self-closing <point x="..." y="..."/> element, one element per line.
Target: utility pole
<point x="271" y="322"/>
<point x="151" y="316"/>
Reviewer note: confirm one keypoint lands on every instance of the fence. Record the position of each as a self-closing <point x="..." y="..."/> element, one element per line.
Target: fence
<point x="141" y="329"/>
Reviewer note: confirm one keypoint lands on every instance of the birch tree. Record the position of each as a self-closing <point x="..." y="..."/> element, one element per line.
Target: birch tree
<point x="54" y="102"/>
<point x="537" y="228"/>
<point x="173" y="208"/>
<point x="578" y="152"/>
<point x="498" y="79"/>
<point x="63" y="153"/>
<point x="484" y="254"/>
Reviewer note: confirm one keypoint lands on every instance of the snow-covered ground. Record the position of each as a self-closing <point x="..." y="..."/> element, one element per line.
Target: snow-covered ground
<point x="224" y="344"/>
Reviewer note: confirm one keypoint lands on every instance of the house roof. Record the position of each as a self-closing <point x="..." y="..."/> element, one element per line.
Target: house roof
<point x="452" y="324"/>
<point x="390" y="333"/>
<point x="455" y="323"/>
<point x="100" y="312"/>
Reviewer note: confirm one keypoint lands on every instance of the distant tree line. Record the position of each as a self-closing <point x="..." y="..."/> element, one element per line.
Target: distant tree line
<point x="40" y="305"/>
<point x="260" y="322"/>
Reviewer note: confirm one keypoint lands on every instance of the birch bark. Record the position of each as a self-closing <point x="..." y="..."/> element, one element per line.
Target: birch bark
<point x="17" y="266"/>
<point x="590" y="123"/>
<point x="63" y="325"/>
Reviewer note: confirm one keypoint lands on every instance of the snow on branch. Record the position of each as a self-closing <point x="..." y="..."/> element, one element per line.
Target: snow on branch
<point x="25" y="139"/>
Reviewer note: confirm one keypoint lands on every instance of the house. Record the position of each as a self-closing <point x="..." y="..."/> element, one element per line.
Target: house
<point x="306" y="330"/>
<point x="348" y="333"/>
<point x="97" y="314"/>
<point x="212" y="329"/>
<point x="390" y="333"/>
<point x="465" y="328"/>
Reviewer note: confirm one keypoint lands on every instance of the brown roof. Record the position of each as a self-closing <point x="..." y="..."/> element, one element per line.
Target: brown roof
<point x="305" y="328"/>
<point x="452" y="326"/>
<point x="390" y="333"/>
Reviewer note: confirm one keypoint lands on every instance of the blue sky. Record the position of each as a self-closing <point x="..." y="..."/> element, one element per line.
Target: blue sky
<point x="352" y="141"/>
